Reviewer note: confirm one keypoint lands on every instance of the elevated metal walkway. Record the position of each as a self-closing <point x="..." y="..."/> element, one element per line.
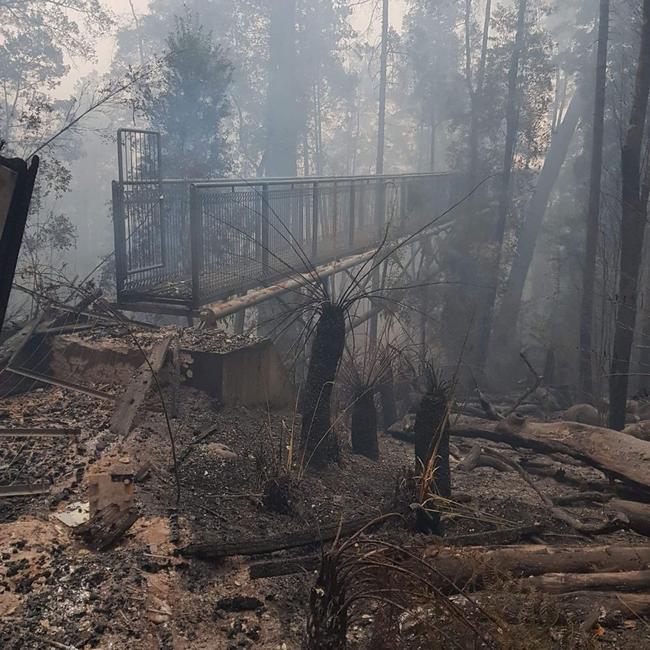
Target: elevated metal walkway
<point x="180" y="244"/>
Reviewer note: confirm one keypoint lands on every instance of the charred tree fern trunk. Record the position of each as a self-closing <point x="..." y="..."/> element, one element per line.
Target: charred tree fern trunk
<point x="326" y="351"/>
<point x="327" y="621"/>
<point x="364" y="424"/>
<point x="432" y="450"/>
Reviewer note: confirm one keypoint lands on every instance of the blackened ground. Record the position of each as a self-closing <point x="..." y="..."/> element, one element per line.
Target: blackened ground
<point x="140" y="595"/>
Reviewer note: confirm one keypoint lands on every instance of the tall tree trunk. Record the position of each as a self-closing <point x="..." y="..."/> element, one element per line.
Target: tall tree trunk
<point x="462" y="255"/>
<point x="593" y="210"/>
<point x="383" y="63"/>
<point x="508" y="315"/>
<point x="632" y="232"/>
<point x="476" y="94"/>
<point x="319" y="132"/>
<point x="283" y="119"/>
<point x="644" y="339"/>
<point x="512" y="130"/>
<point x="379" y="166"/>
<point x="432" y="149"/>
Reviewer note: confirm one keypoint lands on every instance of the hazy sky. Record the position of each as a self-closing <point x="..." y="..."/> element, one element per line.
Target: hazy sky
<point x="361" y="19"/>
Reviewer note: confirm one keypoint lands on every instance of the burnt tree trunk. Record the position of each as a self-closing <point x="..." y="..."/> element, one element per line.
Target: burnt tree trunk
<point x="476" y="94"/>
<point x="593" y="210"/>
<point x="632" y="232"/>
<point x="364" y="424"/>
<point x="431" y="431"/>
<point x="317" y="438"/>
<point x="486" y="309"/>
<point x="506" y="322"/>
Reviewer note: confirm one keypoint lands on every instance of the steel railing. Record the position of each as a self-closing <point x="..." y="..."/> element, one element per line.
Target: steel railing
<point x="195" y="241"/>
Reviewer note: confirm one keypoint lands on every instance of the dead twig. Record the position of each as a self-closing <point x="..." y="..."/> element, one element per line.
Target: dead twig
<point x="531" y="389"/>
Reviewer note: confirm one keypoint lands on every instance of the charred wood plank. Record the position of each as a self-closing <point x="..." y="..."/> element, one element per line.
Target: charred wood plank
<point x="38" y="432"/>
<point x="137" y="391"/>
<point x="37" y="376"/>
<point x="216" y="550"/>
<point x="23" y="490"/>
<point x="107" y="526"/>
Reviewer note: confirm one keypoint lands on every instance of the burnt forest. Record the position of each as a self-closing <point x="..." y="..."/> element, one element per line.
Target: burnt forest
<point x="324" y="324"/>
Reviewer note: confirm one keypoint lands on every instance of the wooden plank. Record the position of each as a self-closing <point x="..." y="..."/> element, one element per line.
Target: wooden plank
<point x="23" y="489"/>
<point x="137" y="391"/>
<point x="38" y="432"/>
<point x="12" y="347"/>
<point x="30" y="374"/>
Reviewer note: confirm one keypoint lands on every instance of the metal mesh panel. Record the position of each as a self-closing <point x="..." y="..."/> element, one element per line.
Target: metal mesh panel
<point x="200" y="241"/>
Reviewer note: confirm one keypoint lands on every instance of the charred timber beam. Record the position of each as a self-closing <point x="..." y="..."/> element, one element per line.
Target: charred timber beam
<point x="23" y="490"/>
<point x="212" y="313"/>
<point x="37" y="376"/>
<point x="38" y="432"/>
<point x="217" y="550"/>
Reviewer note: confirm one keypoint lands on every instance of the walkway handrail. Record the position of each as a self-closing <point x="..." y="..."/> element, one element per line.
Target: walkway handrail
<point x="183" y="241"/>
<point x="288" y="180"/>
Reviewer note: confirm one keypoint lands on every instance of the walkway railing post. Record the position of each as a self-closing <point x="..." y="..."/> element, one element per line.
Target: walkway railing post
<point x="314" y="222"/>
<point x="352" y="225"/>
<point x="335" y="216"/>
<point x="196" y="245"/>
<point x="265" y="228"/>
<point x="119" y="233"/>
<point x="380" y="207"/>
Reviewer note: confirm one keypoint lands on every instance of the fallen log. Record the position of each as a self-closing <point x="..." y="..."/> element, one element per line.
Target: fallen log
<point x="638" y="514"/>
<point x="136" y="392"/>
<point x="615" y="453"/>
<point x="486" y="460"/>
<point x="215" y="550"/>
<point x="472" y="566"/>
<point x="471" y="459"/>
<point x="476" y="566"/>
<point x="561" y="583"/>
<point x="612" y="608"/>
<point x="582" y="497"/>
<point x="591" y="607"/>
<point x="300" y="564"/>
<point x="615" y="523"/>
